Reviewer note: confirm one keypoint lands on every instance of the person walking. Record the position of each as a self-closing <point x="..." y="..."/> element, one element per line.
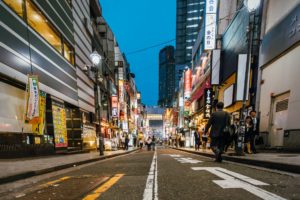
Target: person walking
<point x="149" y="142"/>
<point x="153" y="142"/>
<point x="255" y="134"/>
<point x="197" y="140"/>
<point x="126" y="141"/>
<point x="248" y="134"/>
<point x="219" y="121"/>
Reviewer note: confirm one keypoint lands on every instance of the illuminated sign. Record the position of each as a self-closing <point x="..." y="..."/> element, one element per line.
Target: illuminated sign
<point x="187" y="84"/>
<point x="207" y="103"/>
<point x="210" y="24"/>
<point x="114" y="105"/>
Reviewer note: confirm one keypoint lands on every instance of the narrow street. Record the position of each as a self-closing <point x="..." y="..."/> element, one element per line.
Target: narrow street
<point x="163" y="174"/>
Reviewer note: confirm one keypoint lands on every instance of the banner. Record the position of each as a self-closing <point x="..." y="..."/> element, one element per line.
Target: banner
<point x="59" y="124"/>
<point x="114" y="105"/>
<point x="32" y="100"/>
<point x="38" y="124"/>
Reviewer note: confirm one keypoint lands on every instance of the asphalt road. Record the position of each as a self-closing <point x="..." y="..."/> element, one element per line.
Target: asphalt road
<point x="165" y="174"/>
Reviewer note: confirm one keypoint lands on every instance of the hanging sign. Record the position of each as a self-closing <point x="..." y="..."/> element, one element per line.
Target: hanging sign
<point x="207" y="102"/>
<point x="38" y="125"/>
<point x="114" y="105"/>
<point x="32" y="104"/>
<point x="210" y="24"/>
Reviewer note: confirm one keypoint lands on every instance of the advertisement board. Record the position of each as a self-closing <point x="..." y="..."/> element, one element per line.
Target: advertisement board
<point x="32" y="100"/>
<point x="59" y="124"/>
<point x="114" y="105"/>
<point x="210" y="32"/>
<point x="187" y="84"/>
<point x="39" y="124"/>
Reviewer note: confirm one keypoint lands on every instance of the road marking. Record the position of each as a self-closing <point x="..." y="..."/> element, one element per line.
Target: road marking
<point x="151" y="189"/>
<point x="175" y="155"/>
<point x="235" y="180"/>
<point x="103" y="188"/>
<point x="188" y="160"/>
<point x="56" y="181"/>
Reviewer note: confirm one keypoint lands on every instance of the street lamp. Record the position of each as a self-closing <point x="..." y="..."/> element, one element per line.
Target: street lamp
<point x="251" y="5"/>
<point x="96" y="59"/>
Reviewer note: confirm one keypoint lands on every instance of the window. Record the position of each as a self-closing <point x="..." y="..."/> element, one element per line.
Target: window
<point x="41" y="25"/>
<point x="68" y="52"/>
<point x="16" y="5"/>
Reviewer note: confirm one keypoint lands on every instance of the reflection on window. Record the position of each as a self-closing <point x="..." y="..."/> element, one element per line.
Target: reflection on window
<point x="68" y="53"/>
<point x="41" y="25"/>
<point x="16" y="5"/>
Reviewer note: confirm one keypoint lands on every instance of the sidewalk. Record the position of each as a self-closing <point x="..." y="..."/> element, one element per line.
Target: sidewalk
<point x="16" y="169"/>
<point x="289" y="162"/>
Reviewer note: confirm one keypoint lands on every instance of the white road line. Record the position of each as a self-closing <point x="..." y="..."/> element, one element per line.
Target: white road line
<point x="235" y="180"/>
<point x="187" y="160"/>
<point x="151" y="189"/>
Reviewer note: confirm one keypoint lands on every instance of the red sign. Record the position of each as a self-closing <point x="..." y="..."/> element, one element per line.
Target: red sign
<point x="187" y="84"/>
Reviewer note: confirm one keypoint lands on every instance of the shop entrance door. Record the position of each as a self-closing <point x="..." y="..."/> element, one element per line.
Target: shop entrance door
<point x="279" y="119"/>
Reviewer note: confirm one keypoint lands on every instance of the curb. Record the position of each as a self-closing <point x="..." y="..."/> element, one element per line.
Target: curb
<point x="260" y="163"/>
<point x="29" y="174"/>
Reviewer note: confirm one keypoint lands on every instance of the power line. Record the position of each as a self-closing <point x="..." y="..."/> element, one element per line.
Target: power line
<point x="169" y="41"/>
<point x="150" y="47"/>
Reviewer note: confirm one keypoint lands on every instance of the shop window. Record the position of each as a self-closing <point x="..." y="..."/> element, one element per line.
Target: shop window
<point x="16" y="5"/>
<point x="41" y="25"/>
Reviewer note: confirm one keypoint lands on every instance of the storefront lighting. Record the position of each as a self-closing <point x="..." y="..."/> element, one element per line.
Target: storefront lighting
<point x="252" y="5"/>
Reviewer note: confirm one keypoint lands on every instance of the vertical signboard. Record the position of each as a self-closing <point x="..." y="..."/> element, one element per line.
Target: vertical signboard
<point x="114" y="105"/>
<point x="32" y="101"/>
<point x="59" y="124"/>
<point x="207" y="103"/>
<point x="210" y="24"/>
<point x="187" y="84"/>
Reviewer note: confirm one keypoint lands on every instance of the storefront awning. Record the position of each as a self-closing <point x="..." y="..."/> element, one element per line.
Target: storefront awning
<point x="198" y="92"/>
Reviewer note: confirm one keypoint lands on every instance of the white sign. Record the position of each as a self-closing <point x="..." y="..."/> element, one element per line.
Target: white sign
<point x="228" y="96"/>
<point x="210" y="32"/>
<point x="241" y="72"/>
<point x="211" y="6"/>
<point x="236" y="180"/>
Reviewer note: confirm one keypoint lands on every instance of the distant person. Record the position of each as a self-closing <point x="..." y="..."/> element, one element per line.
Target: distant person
<point x="197" y="140"/>
<point x="149" y="143"/>
<point x="153" y="142"/>
<point x="204" y="140"/>
<point x="126" y="141"/>
<point x="248" y="134"/>
<point x="255" y="122"/>
<point x="218" y="122"/>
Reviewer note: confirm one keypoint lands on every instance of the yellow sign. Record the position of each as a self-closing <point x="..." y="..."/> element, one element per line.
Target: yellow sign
<point x="38" y="125"/>
<point x="59" y="124"/>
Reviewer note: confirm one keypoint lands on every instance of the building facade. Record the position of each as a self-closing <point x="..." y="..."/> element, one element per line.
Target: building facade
<point x="166" y="76"/>
<point x="279" y="82"/>
<point x="188" y="17"/>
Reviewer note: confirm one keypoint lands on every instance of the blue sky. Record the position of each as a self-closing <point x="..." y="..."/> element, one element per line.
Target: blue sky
<point x="138" y="24"/>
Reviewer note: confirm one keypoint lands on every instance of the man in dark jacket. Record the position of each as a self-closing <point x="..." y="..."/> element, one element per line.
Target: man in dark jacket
<point x="217" y="122"/>
<point x="255" y="122"/>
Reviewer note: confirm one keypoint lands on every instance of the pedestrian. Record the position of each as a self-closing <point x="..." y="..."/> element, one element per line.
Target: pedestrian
<point x="126" y="141"/>
<point x="182" y="141"/>
<point x="248" y="134"/>
<point x="197" y="139"/>
<point x="219" y="122"/>
<point x="149" y="142"/>
<point x="153" y="142"/>
<point x="235" y="129"/>
<point x="204" y="140"/>
<point x="141" y="139"/>
<point x="255" y="122"/>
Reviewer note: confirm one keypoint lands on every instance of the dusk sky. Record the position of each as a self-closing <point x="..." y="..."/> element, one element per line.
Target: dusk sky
<point x="138" y="24"/>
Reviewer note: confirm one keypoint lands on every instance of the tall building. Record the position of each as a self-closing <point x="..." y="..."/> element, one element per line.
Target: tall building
<point x="188" y="19"/>
<point x="166" y="76"/>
